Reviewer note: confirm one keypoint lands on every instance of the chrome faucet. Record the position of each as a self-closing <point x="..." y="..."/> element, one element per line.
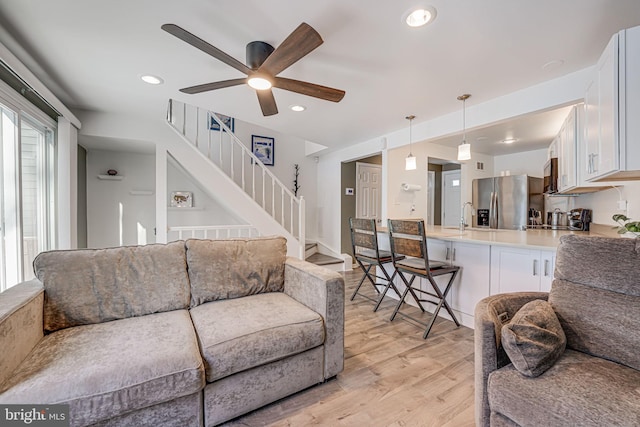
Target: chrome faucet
<point x="462" y="223"/>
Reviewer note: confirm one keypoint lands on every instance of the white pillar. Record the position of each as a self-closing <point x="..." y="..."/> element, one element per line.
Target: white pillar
<point x="161" y="193"/>
<point x="67" y="185"/>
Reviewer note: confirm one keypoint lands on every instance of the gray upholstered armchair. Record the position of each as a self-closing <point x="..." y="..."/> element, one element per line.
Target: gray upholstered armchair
<point x="596" y="380"/>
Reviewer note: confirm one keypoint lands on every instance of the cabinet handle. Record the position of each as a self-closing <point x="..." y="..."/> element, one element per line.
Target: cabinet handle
<point x="593" y="161"/>
<point x="535" y="267"/>
<point x="546" y="268"/>
<point x="590" y="164"/>
<point x="453" y="257"/>
<point x="446" y="256"/>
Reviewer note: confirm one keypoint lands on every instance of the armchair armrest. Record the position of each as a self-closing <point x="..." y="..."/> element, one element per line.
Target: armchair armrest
<point x="490" y="314"/>
<point x="321" y="290"/>
<point x="21" y="324"/>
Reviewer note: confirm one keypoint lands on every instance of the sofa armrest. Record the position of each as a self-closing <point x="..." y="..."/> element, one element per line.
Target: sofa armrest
<point x="490" y="314"/>
<point x="21" y="324"/>
<point x="321" y="290"/>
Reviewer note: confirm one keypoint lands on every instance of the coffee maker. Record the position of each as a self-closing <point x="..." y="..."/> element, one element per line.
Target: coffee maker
<point x="579" y="219"/>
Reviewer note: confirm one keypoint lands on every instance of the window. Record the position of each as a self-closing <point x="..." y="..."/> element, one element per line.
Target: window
<point x="27" y="200"/>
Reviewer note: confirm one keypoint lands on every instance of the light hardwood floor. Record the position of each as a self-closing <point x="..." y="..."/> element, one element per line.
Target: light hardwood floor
<point x="391" y="377"/>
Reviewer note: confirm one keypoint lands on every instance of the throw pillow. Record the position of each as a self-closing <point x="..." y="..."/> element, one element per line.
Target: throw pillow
<point x="534" y="339"/>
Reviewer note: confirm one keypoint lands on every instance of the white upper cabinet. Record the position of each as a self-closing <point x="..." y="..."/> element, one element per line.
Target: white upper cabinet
<point x="567" y="176"/>
<point x="572" y="163"/>
<point x="612" y="106"/>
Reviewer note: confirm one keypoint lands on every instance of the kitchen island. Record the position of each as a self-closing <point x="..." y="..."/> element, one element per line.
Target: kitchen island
<point x="491" y="261"/>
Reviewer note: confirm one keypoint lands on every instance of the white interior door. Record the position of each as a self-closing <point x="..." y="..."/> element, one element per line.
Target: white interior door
<point x="450" y="198"/>
<point x="431" y="196"/>
<point x="368" y="202"/>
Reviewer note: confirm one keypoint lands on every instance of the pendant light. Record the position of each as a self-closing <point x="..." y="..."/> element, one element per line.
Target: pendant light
<point x="464" y="149"/>
<point x="410" y="161"/>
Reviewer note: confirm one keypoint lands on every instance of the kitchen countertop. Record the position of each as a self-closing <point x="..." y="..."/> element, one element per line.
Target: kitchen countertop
<point x="541" y="239"/>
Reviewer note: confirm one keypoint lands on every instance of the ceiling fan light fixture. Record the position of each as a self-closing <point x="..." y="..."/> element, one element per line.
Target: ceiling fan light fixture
<point x="419" y="17"/>
<point x="259" y="82"/>
<point x="152" y="80"/>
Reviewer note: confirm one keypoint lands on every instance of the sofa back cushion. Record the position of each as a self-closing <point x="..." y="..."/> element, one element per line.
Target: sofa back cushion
<point x="222" y="269"/>
<point x="90" y="286"/>
<point x="596" y="295"/>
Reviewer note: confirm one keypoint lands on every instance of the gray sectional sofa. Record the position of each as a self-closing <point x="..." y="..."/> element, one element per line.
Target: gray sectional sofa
<point x="595" y="380"/>
<point x="183" y="334"/>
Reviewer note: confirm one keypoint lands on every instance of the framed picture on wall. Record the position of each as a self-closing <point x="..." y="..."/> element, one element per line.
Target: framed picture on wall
<point x="181" y="199"/>
<point x="263" y="148"/>
<point x="228" y="122"/>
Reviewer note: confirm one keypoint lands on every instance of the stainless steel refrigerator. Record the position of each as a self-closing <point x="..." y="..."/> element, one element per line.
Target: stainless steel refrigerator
<point x="506" y="201"/>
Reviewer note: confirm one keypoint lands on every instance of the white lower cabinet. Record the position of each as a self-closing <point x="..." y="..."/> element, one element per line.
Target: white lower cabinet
<point x="520" y="270"/>
<point x="472" y="283"/>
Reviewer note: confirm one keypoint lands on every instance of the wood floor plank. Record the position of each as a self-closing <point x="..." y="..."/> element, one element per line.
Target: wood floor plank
<point x="392" y="377"/>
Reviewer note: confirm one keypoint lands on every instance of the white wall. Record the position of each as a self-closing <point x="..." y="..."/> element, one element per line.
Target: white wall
<point x="605" y="203"/>
<point x="289" y="150"/>
<point x="115" y="217"/>
<point x="208" y="211"/>
<point x="527" y="163"/>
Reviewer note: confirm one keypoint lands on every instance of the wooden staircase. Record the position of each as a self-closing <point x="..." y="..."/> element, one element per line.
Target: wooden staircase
<point x="314" y="256"/>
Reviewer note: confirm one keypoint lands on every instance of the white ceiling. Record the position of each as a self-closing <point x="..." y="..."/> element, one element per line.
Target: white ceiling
<point x="91" y="53"/>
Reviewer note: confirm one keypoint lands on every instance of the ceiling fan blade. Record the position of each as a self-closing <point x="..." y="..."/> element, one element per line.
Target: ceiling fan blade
<point x="309" y="89"/>
<point x="267" y="102"/>
<point x="197" y="42"/>
<point x="212" y="86"/>
<point x="299" y="43"/>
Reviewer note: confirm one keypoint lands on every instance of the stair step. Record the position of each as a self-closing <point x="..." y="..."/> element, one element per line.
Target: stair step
<point x="322" y="259"/>
<point x="308" y="246"/>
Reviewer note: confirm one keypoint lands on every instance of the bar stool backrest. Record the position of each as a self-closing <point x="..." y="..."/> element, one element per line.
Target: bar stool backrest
<point x="364" y="236"/>
<point x="407" y="238"/>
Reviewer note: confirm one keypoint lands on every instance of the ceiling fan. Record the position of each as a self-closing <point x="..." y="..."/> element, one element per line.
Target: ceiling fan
<point x="264" y="63"/>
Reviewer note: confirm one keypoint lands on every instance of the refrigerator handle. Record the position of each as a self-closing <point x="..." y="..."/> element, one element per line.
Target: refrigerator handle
<point x="493" y="216"/>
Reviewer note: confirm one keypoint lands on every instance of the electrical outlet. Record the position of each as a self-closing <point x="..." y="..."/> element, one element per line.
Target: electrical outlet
<point x="622" y="205"/>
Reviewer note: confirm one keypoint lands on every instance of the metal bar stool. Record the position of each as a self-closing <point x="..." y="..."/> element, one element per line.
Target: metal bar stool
<point x="364" y="242"/>
<point x="408" y="241"/>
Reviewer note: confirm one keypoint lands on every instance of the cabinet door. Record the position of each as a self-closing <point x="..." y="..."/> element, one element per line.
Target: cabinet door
<point x="472" y="283"/>
<point x="514" y="270"/>
<point x="601" y="101"/>
<point x="567" y="178"/>
<point x="439" y="250"/>
<point x="547" y="267"/>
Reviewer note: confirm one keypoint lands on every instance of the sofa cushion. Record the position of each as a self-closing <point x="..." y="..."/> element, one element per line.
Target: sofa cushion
<point x="533" y="339"/>
<point x="598" y="322"/>
<point x="95" y="285"/>
<point x="222" y="269"/>
<point x="243" y="333"/>
<point x="596" y="295"/>
<point x="111" y="368"/>
<point x="578" y="390"/>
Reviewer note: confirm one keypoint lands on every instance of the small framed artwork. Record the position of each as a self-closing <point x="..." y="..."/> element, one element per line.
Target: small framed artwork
<point x="228" y="122"/>
<point x="181" y="199"/>
<point x="263" y="148"/>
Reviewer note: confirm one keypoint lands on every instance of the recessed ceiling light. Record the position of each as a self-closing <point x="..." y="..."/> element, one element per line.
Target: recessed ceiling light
<point x="552" y="65"/>
<point x="420" y="16"/>
<point x="152" y="80"/>
<point x="297" y="108"/>
<point x="509" y="140"/>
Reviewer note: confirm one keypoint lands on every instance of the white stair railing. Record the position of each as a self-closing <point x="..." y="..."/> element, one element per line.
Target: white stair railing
<point x="210" y="232"/>
<point x="212" y="136"/>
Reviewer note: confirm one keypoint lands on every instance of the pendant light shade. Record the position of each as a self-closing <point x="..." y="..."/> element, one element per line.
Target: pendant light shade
<point x="410" y="161"/>
<point x="464" y="149"/>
